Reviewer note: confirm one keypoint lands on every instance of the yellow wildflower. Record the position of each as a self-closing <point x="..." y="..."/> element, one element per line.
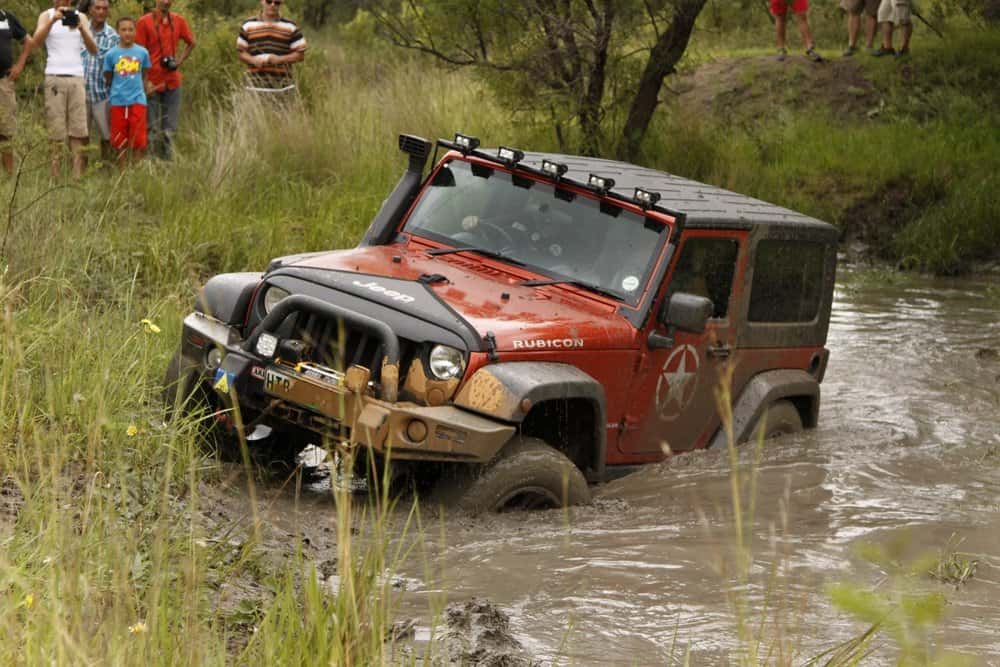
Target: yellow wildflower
<point x="29" y="601"/>
<point x="150" y="325"/>
<point x="132" y="430"/>
<point x="137" y="628"/>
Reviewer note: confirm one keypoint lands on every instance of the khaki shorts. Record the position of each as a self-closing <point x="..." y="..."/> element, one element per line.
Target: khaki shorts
<point x="856" y="7"/>
<point x="895" y="11"/>
<point x="66" y="107"/>
<point x="99" y="119"/>
<point x="8" y="108"/>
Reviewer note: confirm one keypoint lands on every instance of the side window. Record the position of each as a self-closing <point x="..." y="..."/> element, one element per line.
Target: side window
<point x="787" y="281"/>
<point x="706" y="267"/>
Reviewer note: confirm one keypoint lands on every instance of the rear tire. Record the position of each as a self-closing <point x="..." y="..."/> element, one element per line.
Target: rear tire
<point x="780" y="418"/>
<point x="527" y="474"/>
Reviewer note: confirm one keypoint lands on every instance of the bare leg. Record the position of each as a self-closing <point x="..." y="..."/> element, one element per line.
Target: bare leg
<point x="7" y="156"/>
<point x="907" y="30"/>
<point x="870" y="24"/>
<point x="779" y="30"/>
<point x="887" y="35"/>
<point x="804" y="31"/>
<point x="57" y="149"/>
<point x="76" y="145"/>
<point x="853" y="28"/>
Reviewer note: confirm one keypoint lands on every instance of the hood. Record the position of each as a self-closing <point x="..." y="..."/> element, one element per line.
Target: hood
<point x="465" y="287"/>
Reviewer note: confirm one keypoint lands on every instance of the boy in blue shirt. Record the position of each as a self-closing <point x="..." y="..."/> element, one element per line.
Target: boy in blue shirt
<point x="125" y="70"/>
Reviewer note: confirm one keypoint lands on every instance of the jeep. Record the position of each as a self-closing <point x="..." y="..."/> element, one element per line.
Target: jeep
<point x="514" y="326"/>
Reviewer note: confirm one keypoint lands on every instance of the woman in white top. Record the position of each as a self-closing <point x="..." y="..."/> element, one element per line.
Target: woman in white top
<point x="65" y="33"/>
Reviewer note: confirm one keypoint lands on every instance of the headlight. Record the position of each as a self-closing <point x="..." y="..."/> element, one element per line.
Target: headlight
<point x="272" y="296"/>
<point x="446" y="362"/>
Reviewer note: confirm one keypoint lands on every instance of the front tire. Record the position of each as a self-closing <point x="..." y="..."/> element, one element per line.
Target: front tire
<point x="780" y="418"/>
<point x="527" y="474"/>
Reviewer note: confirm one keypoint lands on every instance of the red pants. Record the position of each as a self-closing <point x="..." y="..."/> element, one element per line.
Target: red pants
<point x="128" y="127"/>
<point x="781" y="7"/>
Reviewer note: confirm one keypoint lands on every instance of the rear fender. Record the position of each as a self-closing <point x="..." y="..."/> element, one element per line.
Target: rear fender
<point x="764" y="389"/>
<point x="508" y="392"/>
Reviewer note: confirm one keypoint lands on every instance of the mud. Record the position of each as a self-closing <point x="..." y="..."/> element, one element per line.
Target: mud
<point x="759" y="86"/>
<point x="906" y="458"/>
<point x="11" y="502"/>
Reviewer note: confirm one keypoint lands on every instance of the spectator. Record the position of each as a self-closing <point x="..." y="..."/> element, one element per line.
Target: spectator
<point x="65" y="33"/>
<point x="10" y="30"/>
<point x="800" y="8"/>
<point x="855" y="10"/>
<point x="97" y="90"/>
<point x="126" y="73"/>
<point x="893" y="13"/>
<point x="161" y="32"/>
<point x="269" y="44"/>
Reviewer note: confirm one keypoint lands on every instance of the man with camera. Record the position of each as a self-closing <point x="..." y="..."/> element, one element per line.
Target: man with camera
<point x="161" y="32"/>
<point x="66" y="34"/>
<point x="269" y="44"/>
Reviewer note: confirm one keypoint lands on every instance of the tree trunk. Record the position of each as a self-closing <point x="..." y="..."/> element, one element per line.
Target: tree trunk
<point x="662" y="59"/>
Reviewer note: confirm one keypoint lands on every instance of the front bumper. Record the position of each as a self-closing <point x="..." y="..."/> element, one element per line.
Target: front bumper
<point x="338" y="407"/>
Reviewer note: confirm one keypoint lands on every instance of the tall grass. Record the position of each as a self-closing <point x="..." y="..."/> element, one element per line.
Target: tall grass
<point x="111" y="559"/>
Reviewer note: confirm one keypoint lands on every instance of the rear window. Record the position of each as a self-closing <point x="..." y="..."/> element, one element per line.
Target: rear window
<point x="787" y="281"/>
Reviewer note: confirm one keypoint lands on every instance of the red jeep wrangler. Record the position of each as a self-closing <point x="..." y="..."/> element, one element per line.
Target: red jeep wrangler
<point x="516" y="324"/>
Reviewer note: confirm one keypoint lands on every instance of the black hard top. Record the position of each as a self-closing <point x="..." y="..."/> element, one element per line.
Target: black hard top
<point x="704" y="205"/>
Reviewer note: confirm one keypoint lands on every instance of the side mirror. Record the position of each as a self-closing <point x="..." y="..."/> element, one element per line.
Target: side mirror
<point x="687" y="312"/>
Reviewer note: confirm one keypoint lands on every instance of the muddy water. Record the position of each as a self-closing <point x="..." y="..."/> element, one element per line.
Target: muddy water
<point x="907" y="452"/>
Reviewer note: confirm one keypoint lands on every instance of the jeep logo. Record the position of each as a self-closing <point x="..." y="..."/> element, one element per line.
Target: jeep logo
<point x="381" y="289"/>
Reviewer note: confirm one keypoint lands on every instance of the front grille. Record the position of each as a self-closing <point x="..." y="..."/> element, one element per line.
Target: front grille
<point x="336" y="344"/>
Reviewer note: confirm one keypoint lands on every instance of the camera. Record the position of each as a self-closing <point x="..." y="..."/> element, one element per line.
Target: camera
<point x="70" y="18"/>
<point x="168" y="63"/>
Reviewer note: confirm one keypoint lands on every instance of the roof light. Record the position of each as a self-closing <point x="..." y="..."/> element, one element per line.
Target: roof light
<point x="466" y="143"/>
<point x="510" y="155"/>
<point x="600" y="184"/>
<point x="554" y="169"/>
<point x="646" y="198"/>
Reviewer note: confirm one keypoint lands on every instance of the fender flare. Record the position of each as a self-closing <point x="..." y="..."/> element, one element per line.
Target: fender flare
<point x="226" y="297"/>
<point x="761" y="391"/>
<point x="499" y="391"/>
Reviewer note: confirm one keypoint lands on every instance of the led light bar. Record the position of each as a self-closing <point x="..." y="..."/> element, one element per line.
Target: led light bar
<point x="600" y="184"/>
<point x="466" y="143"/>
<point x="645" y="198"/>
<point x="554" y="169"/>
<point x="510" y="155"/>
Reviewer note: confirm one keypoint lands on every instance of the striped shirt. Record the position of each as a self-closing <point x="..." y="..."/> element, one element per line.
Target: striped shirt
<point x="93" y="77"/>
<point x="278" y="38"/>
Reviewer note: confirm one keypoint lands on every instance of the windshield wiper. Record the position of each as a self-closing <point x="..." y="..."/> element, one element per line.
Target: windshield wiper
<point x="482" y="251"/>
<point x="575" y="283"/>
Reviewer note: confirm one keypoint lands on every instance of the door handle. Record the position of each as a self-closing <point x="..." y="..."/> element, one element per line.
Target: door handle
<point x="720" y="351"/>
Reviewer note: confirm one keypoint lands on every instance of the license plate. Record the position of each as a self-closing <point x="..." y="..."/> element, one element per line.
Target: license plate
<point x="277" y="383"/>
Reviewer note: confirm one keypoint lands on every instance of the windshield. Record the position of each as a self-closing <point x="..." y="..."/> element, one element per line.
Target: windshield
<point x="551" y="230"/>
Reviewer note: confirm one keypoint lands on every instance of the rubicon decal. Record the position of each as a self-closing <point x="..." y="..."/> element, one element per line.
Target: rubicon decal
<point x="382" y="289"/>
<point x="548" y="344"/>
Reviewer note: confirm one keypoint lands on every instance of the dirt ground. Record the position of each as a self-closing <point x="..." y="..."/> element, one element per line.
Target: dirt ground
<point x="755" y="86"/>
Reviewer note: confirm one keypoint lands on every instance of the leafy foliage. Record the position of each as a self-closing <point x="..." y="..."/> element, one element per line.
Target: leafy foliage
<point x="576" y="61"/>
